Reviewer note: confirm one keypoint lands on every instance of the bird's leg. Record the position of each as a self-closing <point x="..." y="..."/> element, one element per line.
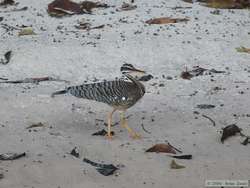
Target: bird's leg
<point x="124" y="124"/>
<point x="109" y="136"/>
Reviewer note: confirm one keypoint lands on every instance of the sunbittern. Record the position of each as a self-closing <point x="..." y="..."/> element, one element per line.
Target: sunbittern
<point x="120" y="94"/>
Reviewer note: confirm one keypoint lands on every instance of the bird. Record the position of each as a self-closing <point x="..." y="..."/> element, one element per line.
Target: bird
<point x="120" y="94"/>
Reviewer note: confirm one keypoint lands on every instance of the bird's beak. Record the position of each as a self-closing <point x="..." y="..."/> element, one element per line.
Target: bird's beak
<point x="139" y="71"/>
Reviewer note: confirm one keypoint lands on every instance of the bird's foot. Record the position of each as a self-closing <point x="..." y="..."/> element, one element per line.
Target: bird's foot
<point x="136" y="136"/>
<point x="109" y="136"/>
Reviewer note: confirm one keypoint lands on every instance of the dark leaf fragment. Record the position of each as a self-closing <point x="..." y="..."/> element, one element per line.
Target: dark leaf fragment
<point x="102" y="132"/>
<point x="127" y="6"/>
<point x="205" y="106"/>
<point x="11" y="156"/>
<point x="35" y="125"/>
<point x="7" y="2"/>
<point x="162" y="148"/>
<point x="6" y="59"/>
<point x="198" y="71"/>
<point x="33" y="80"/>
<point x="246" y="141"/>
<point x="229" y="130"/>
<point x="182" y="156"/>
<point x="146" y="78"/>
<point x="104" y="169"/>
<point x="186" y="75"/>
<point x="75" y="152"/>
<point x="1" y="19"/>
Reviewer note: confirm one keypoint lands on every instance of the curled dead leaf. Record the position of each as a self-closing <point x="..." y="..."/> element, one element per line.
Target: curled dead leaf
<point x="162" y="148"/>
<point x="66" y="7"/>
<point x="166" y="20"/>
<point x="229" y="130"/>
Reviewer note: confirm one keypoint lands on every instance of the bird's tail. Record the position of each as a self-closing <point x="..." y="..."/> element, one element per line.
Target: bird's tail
<point x="59" y="93"/>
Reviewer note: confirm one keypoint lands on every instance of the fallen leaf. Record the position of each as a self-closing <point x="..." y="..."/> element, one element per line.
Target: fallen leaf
<point x="33" y="80"/>
<point x="102" y="132"/>
<point x="246" y="141"/>
<point x="1" y="19"/>
<point x="104" y="169"/>
<point x="7" y="57"/>
<point x="145" y="78"/>
<point x="243" y="50"/>
<point x="162" y="148"/>
<point x="75" y="152"/>
<point x="66" y="7"/>
<point x="35" y="125"/>
<point x="166" y="20"/>
<point x="127" y="6"/>
<point x="228" y="131"/>
<point x="198" y="71"/>
<point x="205" y="106"/>
<point x="11" y="156"/>
<point x="7" y="2"/>
<point x="26" y="31"/>
<point x="1" y="176"/>
<point x="174" y="165"/>
<point x="223" y="4"/>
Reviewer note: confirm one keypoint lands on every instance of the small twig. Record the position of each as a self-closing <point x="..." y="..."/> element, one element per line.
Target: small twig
<point x="15" y="10"/>
<point x="3" y="78"/>
<point x="179" y="7"/>
<point x="210" y="119"/>
<point x="145" y="129"/>
<point x="33" y="80"/>
<point x="9" y="27"/>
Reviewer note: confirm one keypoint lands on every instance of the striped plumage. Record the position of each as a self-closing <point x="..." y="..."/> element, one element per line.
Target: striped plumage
<point x="120" y="94"/>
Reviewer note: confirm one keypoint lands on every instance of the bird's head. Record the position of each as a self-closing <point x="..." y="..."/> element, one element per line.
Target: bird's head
<point x="134" y="72"/>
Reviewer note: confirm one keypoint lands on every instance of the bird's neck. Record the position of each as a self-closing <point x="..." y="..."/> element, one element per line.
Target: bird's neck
<point x="137" y="82"/>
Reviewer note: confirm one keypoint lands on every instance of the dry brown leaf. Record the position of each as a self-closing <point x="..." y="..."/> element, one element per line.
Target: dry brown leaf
<point x="162" y="148"/>
<point x="35" y="125"/>
<point x="67" y="7"/>
<point x="223" y="4"/>
<point x="166" y="20"/>
<point x="243" y="49"/>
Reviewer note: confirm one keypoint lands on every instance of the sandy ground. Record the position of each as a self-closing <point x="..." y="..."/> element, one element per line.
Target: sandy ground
<point x="61" y="50"/>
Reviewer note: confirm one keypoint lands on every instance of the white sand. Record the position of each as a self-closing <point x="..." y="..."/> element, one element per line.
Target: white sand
<point x="48" y="164"/>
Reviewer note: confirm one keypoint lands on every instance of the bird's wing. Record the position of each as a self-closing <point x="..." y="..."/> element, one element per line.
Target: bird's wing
<point x="108" y="92"/>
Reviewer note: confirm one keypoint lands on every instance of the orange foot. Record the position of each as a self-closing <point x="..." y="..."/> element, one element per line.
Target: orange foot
<point x="135" y="136"/>
<point x="109" y="137"/>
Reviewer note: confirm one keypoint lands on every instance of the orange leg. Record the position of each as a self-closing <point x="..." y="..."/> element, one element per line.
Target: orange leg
<point x="109" y="136"/>
<point x="124" y="124"/>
